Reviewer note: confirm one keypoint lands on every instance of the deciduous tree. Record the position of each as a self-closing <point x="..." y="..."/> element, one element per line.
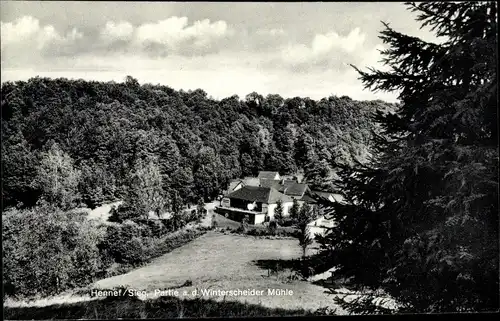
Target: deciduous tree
<point x="58" y="178"/>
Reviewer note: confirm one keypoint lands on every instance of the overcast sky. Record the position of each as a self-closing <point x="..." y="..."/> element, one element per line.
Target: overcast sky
<point x="292" y="49"/>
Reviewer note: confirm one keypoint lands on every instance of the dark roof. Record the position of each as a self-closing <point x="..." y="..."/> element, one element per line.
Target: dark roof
<point x="274" y="183"/>
<point x="267" y="175"/>
<point x="326" y="195"/>
<point x="308" y="199"/>
<point x="296" y="189"/>
<point x="281" y="189"/>
<point x="275" y="196"/>
<point x="288" y="182"/>
<point x="323" y="194"/>
<point x="259" y="194"/>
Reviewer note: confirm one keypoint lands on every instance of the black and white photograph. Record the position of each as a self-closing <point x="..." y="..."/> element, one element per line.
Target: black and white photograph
<point x="165" y="160"/>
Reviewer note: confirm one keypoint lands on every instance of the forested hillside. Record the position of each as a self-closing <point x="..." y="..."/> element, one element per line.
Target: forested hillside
<point x="91" y="142"/>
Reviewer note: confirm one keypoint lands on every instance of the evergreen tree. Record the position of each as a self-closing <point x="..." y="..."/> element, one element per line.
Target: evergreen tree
<point x="176" y="202"/>
<point x="305" y="213"/>
<point x="421" y="220"/>
<point x="304" y="219"/>
<point x="295" y="210"/>
<point x="278" y="211"/>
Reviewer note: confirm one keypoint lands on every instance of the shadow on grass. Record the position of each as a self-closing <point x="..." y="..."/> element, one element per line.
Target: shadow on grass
<point x="133" y="308"/>
<point x="279" y="265"/>
<point x="334" y="282"/>
<point x="307" y="267"/>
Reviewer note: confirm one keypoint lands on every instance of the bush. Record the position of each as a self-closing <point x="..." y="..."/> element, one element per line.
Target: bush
<point x="123" y="212"/>
<point x="269" y="231"/>
<point x="214" y="223"/>
<point x="157" y="228"/>
<point x="271" y="228"/>
<point x="47" y="251"/>
<point x="286" y="222"/>
<point x="134" y="251"/>
<point x="156" y="247"/>
<point x="178" y="221"/>
<point x="244" y="224"/>
<point x="125" y="243"/>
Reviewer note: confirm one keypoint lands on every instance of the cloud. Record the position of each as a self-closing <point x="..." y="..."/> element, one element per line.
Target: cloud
<point x="175" y="36"/>
<point x="329" y="50"/>
<point x="27" y="30"/>
<point x="208" y="54"/>
<point x="324" y="43"/>
<point x="274" y="32"/>
<point x="26" y="41"/>
<point x="120" y="31"/>
<point x="21" y="30"/>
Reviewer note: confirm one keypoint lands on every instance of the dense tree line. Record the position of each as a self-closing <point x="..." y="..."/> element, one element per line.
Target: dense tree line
<point x="421" y="219"/>
<point x="74" y="141"/>
<point x="47" y="250"/>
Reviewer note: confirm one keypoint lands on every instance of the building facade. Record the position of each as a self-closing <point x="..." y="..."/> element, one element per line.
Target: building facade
<point x="256" y="202"/>
<point x="257" y="197"/>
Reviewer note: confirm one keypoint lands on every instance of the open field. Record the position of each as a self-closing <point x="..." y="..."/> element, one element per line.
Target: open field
<point x="218" y="262"/>
<point x="226" y="262"/>
<point x="213" y="261"/>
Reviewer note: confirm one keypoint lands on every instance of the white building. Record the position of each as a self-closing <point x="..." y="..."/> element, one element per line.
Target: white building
<point x="256" y="202"/>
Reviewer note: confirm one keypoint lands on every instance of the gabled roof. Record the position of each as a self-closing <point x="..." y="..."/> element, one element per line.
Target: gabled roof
<point x="267" y="175"/>
<point x="251" y="181"/>
<point x="326" y="195"/>
<point x="308" y="199"/>
<point x="275" y="196"/>
<point x="296" y="189"/>
<point x="288" y="182"/>
<point x="281" y="189"/>
<point x="274" y="183"/>
<point x="323" y="194"/>
<point x="338" y="198"/>
<point x="233" y="185"/>
<point x="259" y="194"/>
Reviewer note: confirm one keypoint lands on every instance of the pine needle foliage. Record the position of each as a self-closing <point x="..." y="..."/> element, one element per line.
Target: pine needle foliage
<point x="421" y="219"/>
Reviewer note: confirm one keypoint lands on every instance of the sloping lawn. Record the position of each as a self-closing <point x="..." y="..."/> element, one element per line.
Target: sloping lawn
<point x="214" y="261"/>
<point x="226" y="262"/>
